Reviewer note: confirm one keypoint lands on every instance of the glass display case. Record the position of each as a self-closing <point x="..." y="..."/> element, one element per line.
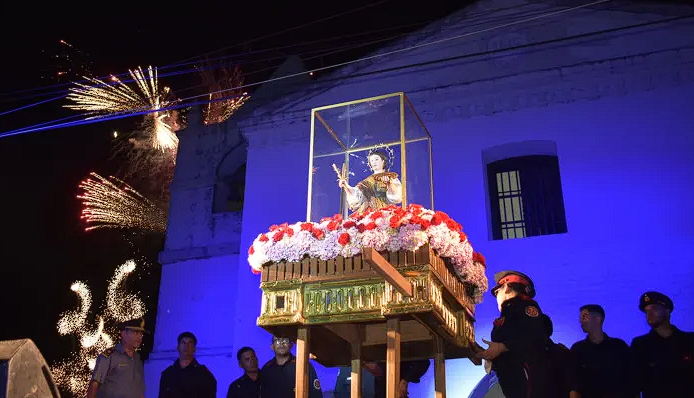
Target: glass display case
<point x="368" y="153"/>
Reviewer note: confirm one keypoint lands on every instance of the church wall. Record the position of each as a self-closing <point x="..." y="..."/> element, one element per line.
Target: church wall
<point x="623" y="135"/>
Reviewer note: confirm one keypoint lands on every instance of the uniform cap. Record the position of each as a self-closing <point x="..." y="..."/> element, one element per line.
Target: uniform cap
<point x="134" y="324"/>
<point x="504" y="277"/>
<point x="655" y="298"/>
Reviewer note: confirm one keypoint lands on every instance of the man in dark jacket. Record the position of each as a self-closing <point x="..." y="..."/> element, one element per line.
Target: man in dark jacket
<point x="278" y="375"/>
<point x="187" y="378"/>
<point x="665" y="355"/>
<point x="562" y="372"/>
<point x="518" y="349"/>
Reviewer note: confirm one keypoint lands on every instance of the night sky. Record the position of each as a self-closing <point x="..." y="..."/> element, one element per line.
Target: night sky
<point x="44" y="246"/>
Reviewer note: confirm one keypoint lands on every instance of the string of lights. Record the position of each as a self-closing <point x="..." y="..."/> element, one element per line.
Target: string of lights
<point x="470" y="22"/>
<point x="182" y="104"/>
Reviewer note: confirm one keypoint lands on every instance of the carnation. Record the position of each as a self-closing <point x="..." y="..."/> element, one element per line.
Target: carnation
<point x="390" y="228"/>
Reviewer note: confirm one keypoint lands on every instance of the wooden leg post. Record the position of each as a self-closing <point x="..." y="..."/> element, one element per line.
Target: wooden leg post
<point x="393" y="358"/>
<point x="302" y="353"/>
<point x="439" y="367"/>
<point x="355" y="384"/>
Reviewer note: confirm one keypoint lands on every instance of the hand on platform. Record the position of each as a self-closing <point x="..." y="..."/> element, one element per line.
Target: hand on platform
<point x="488" y="366"/>
<point x="403" y="389"/>
<point x="494" y="350"/>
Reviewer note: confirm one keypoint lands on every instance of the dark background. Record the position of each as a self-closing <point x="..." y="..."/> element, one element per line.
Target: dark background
<point x="44" y="246"/>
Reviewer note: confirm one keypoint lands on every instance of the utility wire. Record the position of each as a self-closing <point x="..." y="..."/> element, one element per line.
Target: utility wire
<point x="130" y="113"/>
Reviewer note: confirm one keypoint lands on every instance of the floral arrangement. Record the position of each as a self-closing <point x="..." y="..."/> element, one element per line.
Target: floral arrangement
<point x="391" y="228"/>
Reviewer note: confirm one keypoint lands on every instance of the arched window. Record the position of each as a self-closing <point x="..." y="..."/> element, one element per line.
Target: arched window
<point x="525" y="194"/>
<point x="231" y="181"/>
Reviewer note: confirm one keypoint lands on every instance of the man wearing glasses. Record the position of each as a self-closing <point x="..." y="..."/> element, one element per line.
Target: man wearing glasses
<point x="278" y="375"/>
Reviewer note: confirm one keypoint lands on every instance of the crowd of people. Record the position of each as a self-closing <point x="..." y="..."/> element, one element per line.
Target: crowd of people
<point x="527" y="363"/>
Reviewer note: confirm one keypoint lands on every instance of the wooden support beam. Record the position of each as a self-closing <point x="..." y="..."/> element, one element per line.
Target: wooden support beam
<point x="393" y="358"/>
<point x="355" y="383"/>
<point x="439" y="367"/>
<point x="387" y="271"/>
<point x="302" y="355"/>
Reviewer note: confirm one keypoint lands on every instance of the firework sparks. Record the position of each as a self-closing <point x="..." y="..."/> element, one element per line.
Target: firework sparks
<point x="122" y="305"/>
<point x="71" y="321"/>
<point x="104" y="98"/>
<point x="74" y="373"/>
<point x="111" y="203"/>
<point x="224" y="100"/>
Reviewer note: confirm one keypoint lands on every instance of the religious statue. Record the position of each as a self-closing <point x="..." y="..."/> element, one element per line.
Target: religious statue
<point x="381" y="189"/>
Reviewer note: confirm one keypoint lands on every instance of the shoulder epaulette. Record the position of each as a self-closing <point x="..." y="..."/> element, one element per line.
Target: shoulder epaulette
<point x="107" y="352"/>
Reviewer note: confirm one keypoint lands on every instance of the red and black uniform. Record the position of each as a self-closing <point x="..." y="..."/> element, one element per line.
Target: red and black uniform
<point x="523" y="369"/>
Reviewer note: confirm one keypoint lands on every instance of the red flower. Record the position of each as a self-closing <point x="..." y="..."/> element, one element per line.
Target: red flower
<point x="278" y="236"/>
<point x="349" y="224"/>
<point x="332" y="225"/>
<point x="307" y="226"/>
<point x="478" y="257"/>
<point x="394" y="222"/>
<point x="251" y="250"/>
<point x="263" y="238"/>
<point x="361" y="228"/>
<point x="453" y="226"/>
<point x="376" y="215"/>
<point x="274" y="227"/>
<point x="289" y="231"/>
<point x="443" y="215"/>
<point x="463" y="237"/>
<point x="370" y="226"/>
<point x="324" y="219"/>
<point x="318" y="233"/>
<point x="415" y="220"/>
<point x="343" y="239"/>
<point x="436" y="219"/>
<point x="337" y="217"/>
<point x="253" y="270"/>
<point x="424" y="224"/>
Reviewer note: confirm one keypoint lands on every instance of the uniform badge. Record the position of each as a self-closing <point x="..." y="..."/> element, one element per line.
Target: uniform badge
<point x="646" y="298"/>
<point x="316" y="384"/>
<point x="532" y="311"/>
<point x="499" y="321"/>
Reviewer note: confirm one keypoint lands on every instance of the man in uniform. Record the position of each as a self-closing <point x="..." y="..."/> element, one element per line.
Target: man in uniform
<point x="187" y="378"/>
<point x="248" y="385"/>
<point x="278" y="375"/>
<point x="519" y="340"/>
<point x="604" y="363"/>
<point x="665" y="355"/>
<point x="118" y="371"/>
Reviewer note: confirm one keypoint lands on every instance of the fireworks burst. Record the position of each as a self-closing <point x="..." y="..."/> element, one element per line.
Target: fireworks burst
<point x="221" y="83"/>
<point x="71" y="321"/>
<point x="122" y="305"/>
<point x="74" y="373"/>
<point x="111" y="203"/>
<point x="104" y="98"/>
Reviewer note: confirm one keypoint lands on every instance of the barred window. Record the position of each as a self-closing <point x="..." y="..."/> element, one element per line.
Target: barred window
<point x="526" y="197"/>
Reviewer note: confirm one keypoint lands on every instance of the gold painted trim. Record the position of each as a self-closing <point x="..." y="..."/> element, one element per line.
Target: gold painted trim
<point x="310" y="167"/>
<point x="403" y="152"/>
<point x="322" y="108"/>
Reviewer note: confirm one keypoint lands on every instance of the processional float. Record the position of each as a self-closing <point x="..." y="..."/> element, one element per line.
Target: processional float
<point x="386" y="278"/>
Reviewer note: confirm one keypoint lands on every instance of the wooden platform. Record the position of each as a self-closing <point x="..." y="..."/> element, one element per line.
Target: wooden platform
<point x="348" y="301"/>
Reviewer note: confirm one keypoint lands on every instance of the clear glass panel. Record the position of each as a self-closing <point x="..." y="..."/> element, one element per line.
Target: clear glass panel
<point x="344" y="135"/>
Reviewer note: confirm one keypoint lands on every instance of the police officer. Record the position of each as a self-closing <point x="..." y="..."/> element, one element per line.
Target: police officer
<point x="248" y="385"/>
<point x="519" y="340"/>
<point x="186" y="377"/>
<point x="278" y="375"/>
<point x="665" y="355"/>
<point x="118" y="372"/>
